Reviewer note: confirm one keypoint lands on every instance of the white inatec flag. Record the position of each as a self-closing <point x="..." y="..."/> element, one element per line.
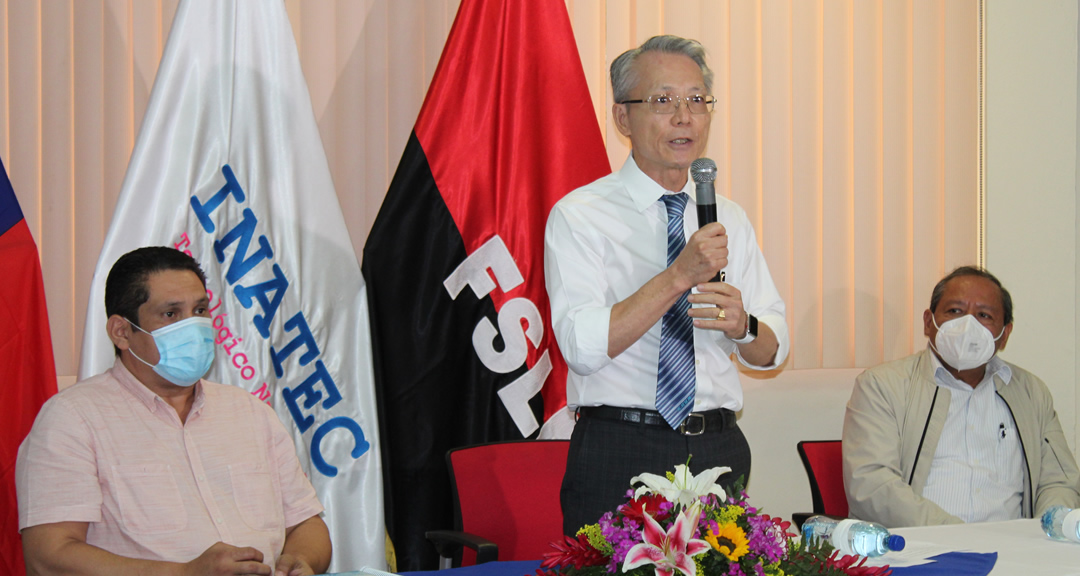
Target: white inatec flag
<point x="229" y="167"/>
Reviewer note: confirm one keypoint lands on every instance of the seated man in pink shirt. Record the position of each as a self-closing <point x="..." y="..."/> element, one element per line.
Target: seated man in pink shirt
<point x="147" y="468"/>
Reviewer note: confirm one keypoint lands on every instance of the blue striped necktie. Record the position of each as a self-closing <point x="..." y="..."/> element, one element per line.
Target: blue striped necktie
<point x="676" y="379"/>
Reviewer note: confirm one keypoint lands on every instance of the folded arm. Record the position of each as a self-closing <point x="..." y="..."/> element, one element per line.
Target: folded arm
<point x="762" y="351"/>
<point x="61" y="548"/>
<point x="1059" y="478"/>
<point x="307" y="549"/>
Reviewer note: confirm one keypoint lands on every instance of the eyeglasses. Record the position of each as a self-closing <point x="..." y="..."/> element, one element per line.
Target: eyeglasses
<point x="669" y="103"/>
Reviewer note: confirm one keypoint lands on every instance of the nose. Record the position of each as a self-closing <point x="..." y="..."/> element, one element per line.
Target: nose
<point x="682" y="113"/>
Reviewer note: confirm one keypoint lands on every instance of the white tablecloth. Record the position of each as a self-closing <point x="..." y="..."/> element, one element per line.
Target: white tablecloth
<point x="1023" y="549"/>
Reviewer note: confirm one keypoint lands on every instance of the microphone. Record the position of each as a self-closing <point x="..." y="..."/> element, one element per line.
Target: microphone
<point x="703" y="171"/>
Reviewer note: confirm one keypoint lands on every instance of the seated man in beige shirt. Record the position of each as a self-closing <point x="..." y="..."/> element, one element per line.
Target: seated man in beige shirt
<point x="147" y="468"/>
<point x="954" y="433"/>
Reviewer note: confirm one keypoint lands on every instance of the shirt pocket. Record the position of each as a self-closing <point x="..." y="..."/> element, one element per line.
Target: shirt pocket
<point x="256" y="499"/>
<point x="149" y="499"/>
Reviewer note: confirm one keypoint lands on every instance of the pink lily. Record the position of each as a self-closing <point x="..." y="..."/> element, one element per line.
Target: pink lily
<point x="671" y="551"/>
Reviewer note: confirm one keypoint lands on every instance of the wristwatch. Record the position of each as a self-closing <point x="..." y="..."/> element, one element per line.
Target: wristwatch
<point x="751" y="330"/>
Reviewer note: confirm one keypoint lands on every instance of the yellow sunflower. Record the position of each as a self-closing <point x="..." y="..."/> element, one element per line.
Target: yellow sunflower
<point x="730" y="541"/>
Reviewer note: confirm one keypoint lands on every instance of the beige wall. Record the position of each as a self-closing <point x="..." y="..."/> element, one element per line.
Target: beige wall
<point x="1031" y="185"/>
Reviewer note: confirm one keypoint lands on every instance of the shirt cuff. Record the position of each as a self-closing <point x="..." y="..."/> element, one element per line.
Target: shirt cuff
<point x="589" y="347"/>
<point x="779" y="328"/>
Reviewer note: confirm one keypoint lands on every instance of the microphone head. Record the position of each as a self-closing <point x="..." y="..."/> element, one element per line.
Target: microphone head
<point x="703" y="170"/>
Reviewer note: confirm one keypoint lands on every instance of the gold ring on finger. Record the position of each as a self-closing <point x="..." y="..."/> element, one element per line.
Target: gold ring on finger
<point x="721" y="315"/>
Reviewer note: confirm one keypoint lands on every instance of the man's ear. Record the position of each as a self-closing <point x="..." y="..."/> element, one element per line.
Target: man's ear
<point x="119" y="331"/>
<point x="620" y="114"/>
<point x="928" y="323"/>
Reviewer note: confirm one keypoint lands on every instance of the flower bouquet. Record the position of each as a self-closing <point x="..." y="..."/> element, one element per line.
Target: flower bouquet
<point x="688" y="524"/>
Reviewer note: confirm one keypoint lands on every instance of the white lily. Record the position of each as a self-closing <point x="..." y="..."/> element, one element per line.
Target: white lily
<point x="685" y="488"/>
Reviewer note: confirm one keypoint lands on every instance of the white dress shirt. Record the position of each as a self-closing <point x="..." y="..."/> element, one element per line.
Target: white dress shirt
<point x="977" y="473"/>
<point x="606" y="240"/>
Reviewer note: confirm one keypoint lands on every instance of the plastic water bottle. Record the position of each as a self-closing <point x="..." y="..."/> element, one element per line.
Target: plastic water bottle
<point x="1061" y="523"/>
<point x="852" y="536"/>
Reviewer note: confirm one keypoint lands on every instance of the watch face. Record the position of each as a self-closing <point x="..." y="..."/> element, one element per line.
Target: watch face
<point x="753" y="325"/>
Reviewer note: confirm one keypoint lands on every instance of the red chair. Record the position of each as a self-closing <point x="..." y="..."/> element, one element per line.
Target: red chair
<point x="506" y="501"/>
<point x="823" y="460"/>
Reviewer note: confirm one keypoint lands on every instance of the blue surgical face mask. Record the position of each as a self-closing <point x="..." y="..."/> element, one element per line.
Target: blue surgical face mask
<point x="185" y="350"/>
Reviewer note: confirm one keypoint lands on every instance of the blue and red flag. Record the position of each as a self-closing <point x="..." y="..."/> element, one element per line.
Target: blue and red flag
<point x="27" y="369"/>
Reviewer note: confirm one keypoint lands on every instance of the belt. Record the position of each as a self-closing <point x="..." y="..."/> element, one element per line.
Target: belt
<point x="694" y="424"/>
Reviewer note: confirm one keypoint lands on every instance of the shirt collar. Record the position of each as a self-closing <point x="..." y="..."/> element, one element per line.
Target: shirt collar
<point x="145" y="396"/>
<point x="995" y="367"/>
<point x="644" y="191"/>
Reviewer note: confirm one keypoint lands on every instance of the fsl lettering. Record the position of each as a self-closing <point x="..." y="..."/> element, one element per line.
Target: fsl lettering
<point x="473" y="272"/>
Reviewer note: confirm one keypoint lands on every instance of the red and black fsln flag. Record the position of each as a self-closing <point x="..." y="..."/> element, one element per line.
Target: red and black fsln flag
<point x="461" y="326"/>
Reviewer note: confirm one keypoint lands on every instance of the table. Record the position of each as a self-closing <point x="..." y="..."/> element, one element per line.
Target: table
<point x="528" y="567"/>
<point x="1022" y="550"/>
<point x="512" y="568"/>
<point x="1021" y="546"/>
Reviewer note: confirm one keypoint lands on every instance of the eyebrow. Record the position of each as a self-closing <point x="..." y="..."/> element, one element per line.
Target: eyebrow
<point x="179" y="303"/>
<point x="670" y="87"/>
<point x="949" y="303"/>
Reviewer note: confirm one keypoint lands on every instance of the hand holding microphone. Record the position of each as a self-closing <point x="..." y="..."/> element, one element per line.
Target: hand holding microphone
<point x="703" y="171"/>
<point x="728" y="314"/>
<point x="705" y="255"/>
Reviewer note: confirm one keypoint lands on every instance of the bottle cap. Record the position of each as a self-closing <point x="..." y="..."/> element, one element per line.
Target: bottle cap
<point x="896" y="542"/>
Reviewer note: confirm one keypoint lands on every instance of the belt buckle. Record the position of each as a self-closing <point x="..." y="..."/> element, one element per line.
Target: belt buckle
<point x="686" y="431"/>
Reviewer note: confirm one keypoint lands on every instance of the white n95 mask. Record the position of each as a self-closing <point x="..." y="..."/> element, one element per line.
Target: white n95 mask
<point x="964" y="343"/>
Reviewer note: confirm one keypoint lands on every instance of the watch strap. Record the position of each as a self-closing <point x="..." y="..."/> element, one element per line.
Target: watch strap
<point x="751" y="330"/>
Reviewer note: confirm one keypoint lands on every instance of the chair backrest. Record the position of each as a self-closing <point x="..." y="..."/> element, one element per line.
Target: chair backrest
<point x="508" y="492"/>
<point x="824" y="464"/>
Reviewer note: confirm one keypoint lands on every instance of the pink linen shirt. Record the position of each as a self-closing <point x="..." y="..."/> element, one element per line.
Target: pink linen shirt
<point x="110" y="452"/>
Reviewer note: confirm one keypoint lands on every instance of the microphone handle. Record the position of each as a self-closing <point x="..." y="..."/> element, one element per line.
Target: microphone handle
<point x="706" y="214"/>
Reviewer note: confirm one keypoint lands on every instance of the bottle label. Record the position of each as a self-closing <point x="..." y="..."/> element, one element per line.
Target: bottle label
<point x="1069" y="525"/>
<point x="841" y="536"/>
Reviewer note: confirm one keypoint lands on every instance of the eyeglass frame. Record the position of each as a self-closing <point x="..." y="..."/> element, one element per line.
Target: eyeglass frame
<point x="709" y="100"/>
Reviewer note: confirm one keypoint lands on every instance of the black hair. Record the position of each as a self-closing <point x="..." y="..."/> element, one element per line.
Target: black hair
<point x="939" y="289"/>
<point x="125" y="288"/>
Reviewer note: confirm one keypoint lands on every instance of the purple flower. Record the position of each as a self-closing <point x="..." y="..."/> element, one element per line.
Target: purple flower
<point x="765" y="539"/>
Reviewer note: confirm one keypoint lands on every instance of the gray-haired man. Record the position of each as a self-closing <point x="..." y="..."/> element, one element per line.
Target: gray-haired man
<point x="647" y="334"/>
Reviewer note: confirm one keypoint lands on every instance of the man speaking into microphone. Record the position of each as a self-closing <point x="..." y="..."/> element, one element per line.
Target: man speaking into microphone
<point x="648" y="304"/>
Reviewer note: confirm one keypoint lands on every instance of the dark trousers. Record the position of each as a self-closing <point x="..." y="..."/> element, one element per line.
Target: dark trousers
<point x="605" y="454"/>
